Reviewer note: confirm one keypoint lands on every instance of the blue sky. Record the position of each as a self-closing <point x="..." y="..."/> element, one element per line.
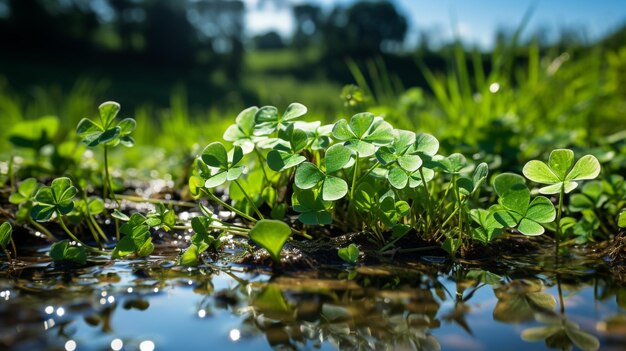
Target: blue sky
<point x="475" y="20"/>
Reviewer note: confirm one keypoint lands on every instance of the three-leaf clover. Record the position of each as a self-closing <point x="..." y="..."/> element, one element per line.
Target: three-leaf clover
<point x="489" y="227"/>
<point x="516" y="209"/>
<point x="349" y="254"/>
<point x="284" y="157"/>
<point x="400" y="158"/>
<point x="200" y="241"/>
<point x="268" y="120"/>
<point x="225" y="165"/>
<point x="24" y="198"/>
<point x="136" y="239"/>
<point x="105" y="132"/>
<point x="313" y="210"/>
<point x="364" y="133"/>
<point x="242" y="132"/>
<point x="333" y="188"/>
<point x="62" y="251"/>
<point x="56" y="198"/>
<point x="559" y="174"/>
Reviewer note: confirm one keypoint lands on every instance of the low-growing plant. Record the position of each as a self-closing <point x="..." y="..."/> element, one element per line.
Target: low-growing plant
<point x="349" y="254"/>
<point x="24" y="197"/>
<point x="108" y="134"/>
<point x="5" y="238"/>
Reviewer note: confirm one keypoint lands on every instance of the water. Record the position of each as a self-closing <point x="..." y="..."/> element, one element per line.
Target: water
<point x="155" y="305"/>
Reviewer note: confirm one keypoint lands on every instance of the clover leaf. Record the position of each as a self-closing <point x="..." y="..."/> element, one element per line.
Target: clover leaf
<point x="592" y="197"/>
<point x="136" y="239"/>
<point x="452" y="164"/>
<point x="469" y="186"/>
<point x="317" y="133"/>
<point x="333" y="188"/>
<point x="621" y="219"/>
<point x="93" y="133"/>
<point x="399" y="159"/>
<point x="25" y="191"/>
<point x="5" y="234"/>
<point x="313" y="210"/>
<point x="364" y="133"/>
<point x="349" y="254"/>
<point x="242" y="132"/>
<point x="559" y="174"/>
<point x="269" y="121"/>
<point x="283" y="157"/>
<point x="62" y="251"/>
<point x="516" y="209"/>
<point x="271" y="235"/>
<point x="224" y="165"/>
<point x="56" y="198"/>
<point x="489" y="227"/>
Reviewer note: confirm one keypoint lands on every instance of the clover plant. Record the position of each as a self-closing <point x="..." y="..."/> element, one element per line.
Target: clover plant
<point x="349" y="254"/>
<point x="57" y="199"/>
<point x="516" y="210"/>
<point x="62" y="251"/>
<point x="561" y="177"/>
<point x="136" y="237"/>
<point x="271" y="235"/>
<point x="107" y="133"/>
<point x="24" y="198"/>
<point x="333" y="188"/>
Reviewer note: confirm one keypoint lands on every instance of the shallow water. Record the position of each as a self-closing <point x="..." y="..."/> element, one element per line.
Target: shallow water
<point x="153" y="304"/>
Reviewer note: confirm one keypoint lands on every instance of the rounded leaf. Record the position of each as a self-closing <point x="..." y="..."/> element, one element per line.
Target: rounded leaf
<point x="271" y="235"/>
<point x="294" y="110"/>
<point x="5" y="234"/>
<point x="108" y="110"/>
<point x="426" y="144"/>
<point x="530" y="228"/>
<point x="360" y="123"/>
<point x="398" y="178"/>
<point x="341" y="130"/>
<point x="216" y="179"/>
<point x="127" y="126"/>
<point x="541" y="210"/>
<point x="539" y="172"/>
<point x="560" y="161"/>
<point x="334" y="188"/>
<point x="337" y="156"/>
<point x="215" y="155"/>
<point x="587" y="167"/>
<point x="308" y="175"/>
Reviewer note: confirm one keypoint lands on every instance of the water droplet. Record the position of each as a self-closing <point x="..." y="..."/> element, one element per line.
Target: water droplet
<point x="60" y="311"/>
<point x="49" y="310"/>
<point x="202" y="313"/>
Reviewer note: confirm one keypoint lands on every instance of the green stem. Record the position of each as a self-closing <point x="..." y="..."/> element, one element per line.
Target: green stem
<point x="258" y="213"/>
<point x="227" y="206"/>
<point x="374" y="166"/>
<point x="73" y="237"/>
<point x="261" y="164"/>
<point x="11" y="175"/>
<point x="8" y="254"/>
<point x="94" y="233"/>
<point x="42" y="229"/>
<point x="106" y="184"/>
<point x="558" y="219"/>
<point x="97" y="227"/>
<point x="428" y="200"/>
<point x="356" y="171"/>
<point x="133" y="198"/>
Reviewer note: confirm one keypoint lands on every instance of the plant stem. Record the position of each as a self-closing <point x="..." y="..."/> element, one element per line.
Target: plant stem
<point x="106" y="184"/>
<point x="73" y="237"/>
<point x="428" y="200"/>
<point x="94" y="233"/>
<point x="42" y="229"/>
<point x="558" y="219"/>
<point x="258" y="213"/>
<point x="8" y="254"/>
<point x="133" y="198"/>
<point x="356" y="170"/>
<point x="258" y="155"/>
<point x="11" y="175"/>
<point x="374" y="166"/>
<point x="227" y="206"/>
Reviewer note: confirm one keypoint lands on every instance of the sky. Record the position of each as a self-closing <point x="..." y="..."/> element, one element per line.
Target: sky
<point x="475" y="21"/>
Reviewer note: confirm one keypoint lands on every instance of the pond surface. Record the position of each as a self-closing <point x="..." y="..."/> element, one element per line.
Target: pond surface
<point x="156" y="305"/>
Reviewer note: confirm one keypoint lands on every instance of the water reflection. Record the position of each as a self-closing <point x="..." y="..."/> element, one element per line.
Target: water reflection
<point x="145" y="305"/>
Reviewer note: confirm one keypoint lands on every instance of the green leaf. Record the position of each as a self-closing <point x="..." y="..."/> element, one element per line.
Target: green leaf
<point x="215" y="155"/>
<point x="334" y="188"/>
<point x="410" y="163"/>
<point x="453" y="163"/>
<point x="530" y="228"/>
<point x="119" y="215"/>
<point x="216" y="180"/>
<point x="398" y="178"/>
<point x="127" y="126"/>
<point x="349" y="254"/>
<point x="541" y="210"/>
<point x="342" y="131"/>
<point x="480" y="175"/>
<point x="89" y="132"/>
<point x="146" y="248"/>
<point x="513" y="193"/>
<point x="587" y="167"/>
<point x="45" y="196"/>
<point x="337" y="156"/>
<point x="279" y="161"/>
<point x="316" y="218"/>
<point x="426" y="144"/>
<point x="190" y="257"/>
<point x="560" y="161"/>
<point x="539" y="333"/>
<point x="42" y="213"/>
<point x="451" y="245"/>
<point x="621" y="219"/>
<point x="124" y="247"/>
<point x="507" y="219"/>
<point x="5" y="234"/>
<point x="108" y="111"/>
<point x="107" y="136"/>
<point x="308" y="175"/>
<point x="539" y="172"/>
<point x="62" y="251"/>
<point x="294" y="110"/>
<point x="271" y="235"/>
<point x="360" y="123"/>
<point x="25" y="191"/>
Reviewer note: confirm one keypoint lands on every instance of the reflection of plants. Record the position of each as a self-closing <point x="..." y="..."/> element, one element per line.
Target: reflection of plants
<point x="561" y="333"/>
<point x="520" y="300"/>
